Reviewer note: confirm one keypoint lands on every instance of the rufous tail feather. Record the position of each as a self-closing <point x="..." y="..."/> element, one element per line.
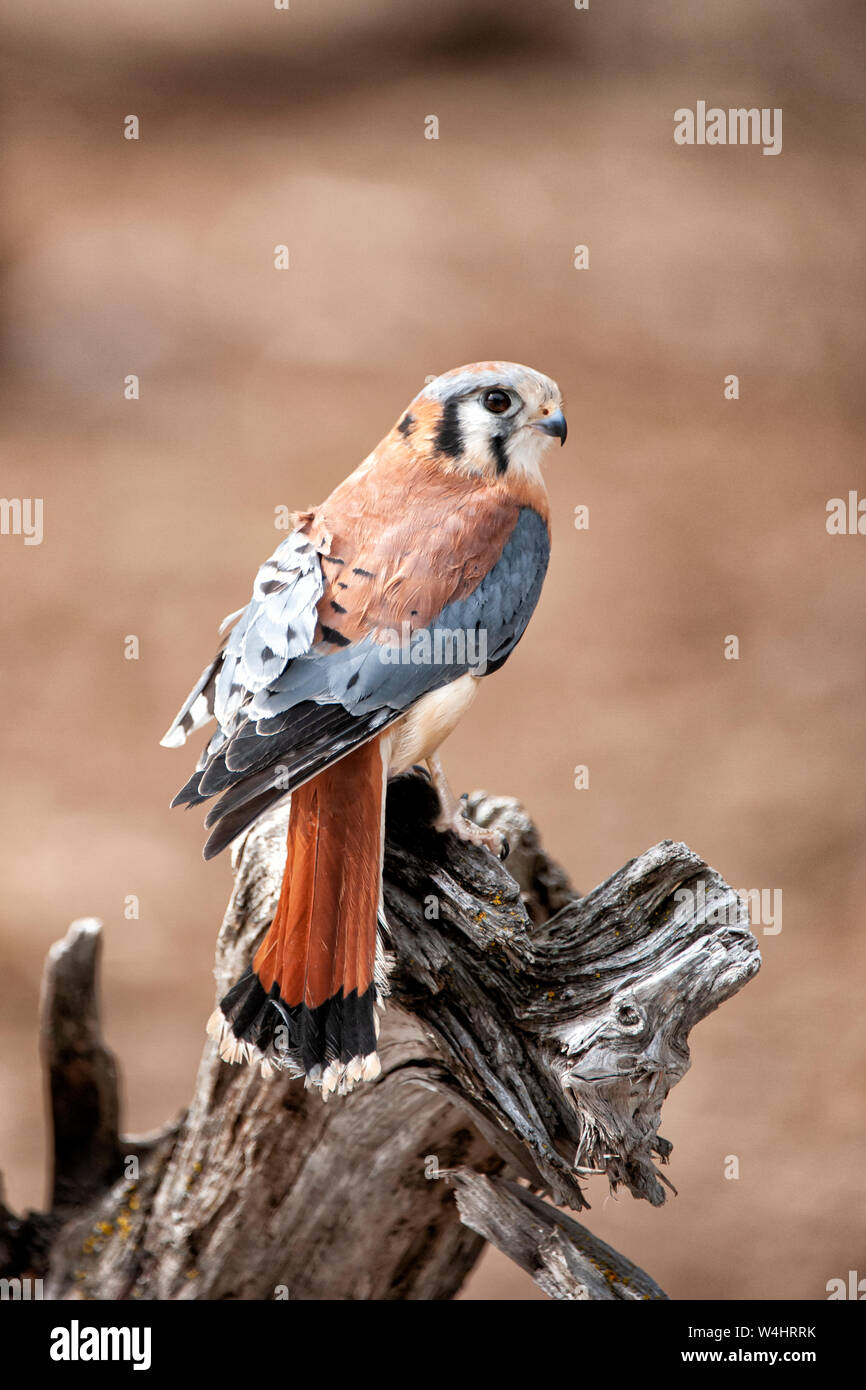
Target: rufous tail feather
<point x="308" y="1001"/>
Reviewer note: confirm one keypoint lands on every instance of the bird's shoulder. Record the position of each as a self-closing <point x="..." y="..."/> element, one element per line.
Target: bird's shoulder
<point x="401" y="538"/>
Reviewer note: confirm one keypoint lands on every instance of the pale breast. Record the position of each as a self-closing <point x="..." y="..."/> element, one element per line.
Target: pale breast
<point x="427" y="724"/>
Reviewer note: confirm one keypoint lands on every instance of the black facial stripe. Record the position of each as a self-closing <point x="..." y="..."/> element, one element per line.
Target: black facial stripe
<point x="448" y="439"/>
<point x="498" y="443"/>
<point x="406" y="425"/>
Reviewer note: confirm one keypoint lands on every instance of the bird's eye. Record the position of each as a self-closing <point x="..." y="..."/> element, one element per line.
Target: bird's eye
<point x="497" y="402"/>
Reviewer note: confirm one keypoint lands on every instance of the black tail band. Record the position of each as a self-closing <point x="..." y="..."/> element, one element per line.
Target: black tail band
<point x="295" y="1035"/>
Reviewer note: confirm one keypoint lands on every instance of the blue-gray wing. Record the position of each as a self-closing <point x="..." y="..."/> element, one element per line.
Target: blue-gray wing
<point x="286" y="714"/>
<point x="476" y="632"/>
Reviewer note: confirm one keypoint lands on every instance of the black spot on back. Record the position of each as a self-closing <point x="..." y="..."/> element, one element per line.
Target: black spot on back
<point x="448" y="438"/>
<point x="331" y="634"/>
<point x="337" y="607"/>
<point x="365" y="574"/>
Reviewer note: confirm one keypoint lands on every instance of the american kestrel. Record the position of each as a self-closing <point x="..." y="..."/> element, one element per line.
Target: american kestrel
<point x="362" y="646"/>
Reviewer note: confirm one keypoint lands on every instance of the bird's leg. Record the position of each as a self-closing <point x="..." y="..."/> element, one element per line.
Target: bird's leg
<point x="452" y="815"/>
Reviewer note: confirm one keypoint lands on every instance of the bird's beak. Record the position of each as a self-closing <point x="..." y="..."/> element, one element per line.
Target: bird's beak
<point x="552" y="424"/>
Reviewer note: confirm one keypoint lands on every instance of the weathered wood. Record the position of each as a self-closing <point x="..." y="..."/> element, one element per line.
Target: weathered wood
<point x="80" y="1070"/>
<point x="515" y="1045"/>
<point x="566" y="1036"/>
<point x="565" y="1259"/>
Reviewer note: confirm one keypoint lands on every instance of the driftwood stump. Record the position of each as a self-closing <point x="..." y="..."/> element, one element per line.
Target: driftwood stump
<point x="530" y="1038"/>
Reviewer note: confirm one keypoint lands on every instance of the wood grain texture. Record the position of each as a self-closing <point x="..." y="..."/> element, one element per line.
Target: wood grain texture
<point x="565" y="1259"/>
<point x="516" y="1046"/>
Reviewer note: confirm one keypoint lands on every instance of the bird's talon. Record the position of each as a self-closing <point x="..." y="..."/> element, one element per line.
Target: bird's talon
<point x="470" y="833"/>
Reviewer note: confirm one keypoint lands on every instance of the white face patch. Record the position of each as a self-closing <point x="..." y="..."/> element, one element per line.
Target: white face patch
<point x="474" y="437"/>
<point x="501" y="444"/>
<point x="477" y="431"/>
<point x="490" y="442"/>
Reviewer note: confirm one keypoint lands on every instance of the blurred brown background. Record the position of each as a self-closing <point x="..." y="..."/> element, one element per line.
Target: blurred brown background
<point x="261" y="388"/>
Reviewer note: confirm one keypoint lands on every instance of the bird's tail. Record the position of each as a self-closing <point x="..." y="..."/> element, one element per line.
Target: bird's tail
<point x="308" y="1002"/>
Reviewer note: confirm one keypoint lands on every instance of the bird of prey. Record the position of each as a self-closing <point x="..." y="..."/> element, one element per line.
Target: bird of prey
<point x="362" y="646"/>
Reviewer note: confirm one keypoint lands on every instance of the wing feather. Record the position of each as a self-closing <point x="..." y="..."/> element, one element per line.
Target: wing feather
<point x="310" y="669"/>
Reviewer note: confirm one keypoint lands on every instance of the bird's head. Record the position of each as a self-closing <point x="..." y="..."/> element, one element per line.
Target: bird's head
<point x="491" y="418"/>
